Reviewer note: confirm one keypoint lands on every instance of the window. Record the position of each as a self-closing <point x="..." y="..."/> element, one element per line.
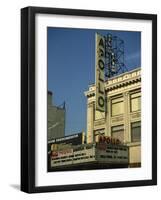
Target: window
<point x="136" y="132"/>
<point x="135" y="102"/>
<point x="117" y="106"/>
<point x="118" y="132"/>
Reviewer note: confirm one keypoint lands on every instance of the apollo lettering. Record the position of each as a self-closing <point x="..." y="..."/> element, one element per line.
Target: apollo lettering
<point x="100" y="67"/>
<point x="101" y="101"/>
<point x="109" y="140"/>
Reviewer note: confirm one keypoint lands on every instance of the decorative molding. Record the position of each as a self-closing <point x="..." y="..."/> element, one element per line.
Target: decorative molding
<point x="99" y="122"/>
<point x="136" y="115"/>
<point x="117" y="119"/>
<point x="120" y="81"/>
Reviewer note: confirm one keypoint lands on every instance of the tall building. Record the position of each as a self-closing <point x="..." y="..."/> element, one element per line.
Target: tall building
<point x="122" y="118"/>
<point x="56" y="119"/>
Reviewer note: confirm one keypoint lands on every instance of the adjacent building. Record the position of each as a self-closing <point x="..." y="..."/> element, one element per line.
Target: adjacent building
<point x="56" y="119"/>
<point x="66" y="142"/>
<point x="122" y="118"/>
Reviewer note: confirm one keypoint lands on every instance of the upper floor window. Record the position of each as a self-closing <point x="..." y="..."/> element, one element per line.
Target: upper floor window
<point x="117" y="106"/>
<point x="135" y="101"/>
<point x="136" y="131"/>
<point x="118" y="132"/>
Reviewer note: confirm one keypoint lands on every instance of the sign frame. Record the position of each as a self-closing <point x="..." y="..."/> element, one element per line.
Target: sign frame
<point x="100" y="72"/>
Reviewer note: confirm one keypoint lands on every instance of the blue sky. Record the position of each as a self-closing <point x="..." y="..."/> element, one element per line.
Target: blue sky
<point x="71" y="68"/>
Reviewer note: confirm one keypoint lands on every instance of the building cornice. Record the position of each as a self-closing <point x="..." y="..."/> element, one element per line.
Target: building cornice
<point x="119" y="81"/>
<point x="121" y="84"/>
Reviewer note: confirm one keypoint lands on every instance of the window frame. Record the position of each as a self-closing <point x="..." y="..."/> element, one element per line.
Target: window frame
<point x="139" y="95"/>
<point x="131" y="135"/>
<point x="117" y="101"/>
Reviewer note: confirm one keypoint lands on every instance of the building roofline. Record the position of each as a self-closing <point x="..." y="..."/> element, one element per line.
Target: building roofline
<point x="122" y="74"/>
<point x="110" y="85"/>
<point x="119" y="75"/>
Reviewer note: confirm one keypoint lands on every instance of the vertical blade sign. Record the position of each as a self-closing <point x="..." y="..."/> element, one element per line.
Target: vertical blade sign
<point x="100" y="72"/>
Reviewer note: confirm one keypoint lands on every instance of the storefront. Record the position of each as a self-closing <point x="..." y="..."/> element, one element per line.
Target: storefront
<point x="99" y="155"/>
